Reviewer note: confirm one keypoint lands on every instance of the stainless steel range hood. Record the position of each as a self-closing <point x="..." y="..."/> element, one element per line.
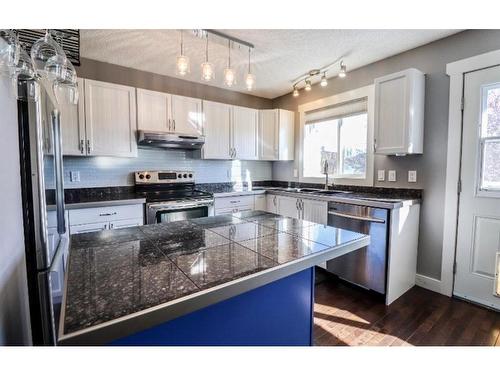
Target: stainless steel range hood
<point x="170" y="140"/>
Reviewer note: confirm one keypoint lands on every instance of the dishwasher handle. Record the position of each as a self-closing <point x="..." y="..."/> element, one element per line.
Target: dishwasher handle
<point x="356" y="217"/>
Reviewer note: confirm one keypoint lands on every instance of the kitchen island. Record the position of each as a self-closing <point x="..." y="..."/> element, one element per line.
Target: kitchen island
<point x="243" y="279"/>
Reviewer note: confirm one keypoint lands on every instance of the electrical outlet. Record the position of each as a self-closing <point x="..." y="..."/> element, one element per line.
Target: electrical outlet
<point x="392" y="176"/>
<point x="74" y="176"/>
<point x="381" y="175"/>
<point x="412" y="176"/>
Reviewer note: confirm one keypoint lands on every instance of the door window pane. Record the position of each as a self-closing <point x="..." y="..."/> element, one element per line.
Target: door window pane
<point x="353" y="144"/>
<point x="491" y="112"/>
<point x="491" y="165"/>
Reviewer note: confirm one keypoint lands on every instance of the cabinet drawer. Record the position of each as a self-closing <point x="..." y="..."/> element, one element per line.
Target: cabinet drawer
<point x="231" y="202"/>
<point x="87" y="228"/>
<point x="105" y="214"/>
<point x="234" y="210"/>
<point x="126" y="223"/>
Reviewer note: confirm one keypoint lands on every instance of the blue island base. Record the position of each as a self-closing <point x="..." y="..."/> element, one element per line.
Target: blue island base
<point x="279" y="313"/>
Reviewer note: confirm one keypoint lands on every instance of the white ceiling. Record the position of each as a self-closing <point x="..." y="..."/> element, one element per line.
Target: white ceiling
<point x="279" y="57"/>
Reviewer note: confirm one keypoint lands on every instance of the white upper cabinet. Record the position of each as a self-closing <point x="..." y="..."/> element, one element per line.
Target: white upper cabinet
<point x="217" y="130"/>
<point x="152" y="110"/>
<point x="399" y="113"/>
<point x="276" y="134"/>
<point x="73" y="124"/>
<point x="245" y="133"/>
<point x="268" y="134"/>
<point x="185" y="115"/>
<point x="110" y="119"/>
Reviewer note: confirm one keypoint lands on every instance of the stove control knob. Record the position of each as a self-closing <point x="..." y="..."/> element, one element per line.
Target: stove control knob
<point x="141" y="176"/>
<point x="179" y="175"/>
<point x="185" y="175"/>
<point x="148" y="176"/>
<point x="190" y="175"/>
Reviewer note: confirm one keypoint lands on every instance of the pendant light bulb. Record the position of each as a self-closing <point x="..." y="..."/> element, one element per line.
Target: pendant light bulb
<point x="182" y="61"/>
<point x="207" y="68"/>
<point x="250" y="78"/>
<point x="324" y="81"/>
<point x="229" y="75"/>
<point x="308" y="85"/>
<point x="295" y="92"/>
<point x="343" y="70"/>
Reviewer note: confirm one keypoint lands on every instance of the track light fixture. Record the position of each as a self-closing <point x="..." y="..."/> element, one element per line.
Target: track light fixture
<point x="295" y="91"/>
<point x="310" y="76"/>
<point x="343" y="70"/>
<point x="324" y="81"/>
<point x="308" y="85"/>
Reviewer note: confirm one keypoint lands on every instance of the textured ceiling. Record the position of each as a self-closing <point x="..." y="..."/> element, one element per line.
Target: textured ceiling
<point x="280" y="56"/>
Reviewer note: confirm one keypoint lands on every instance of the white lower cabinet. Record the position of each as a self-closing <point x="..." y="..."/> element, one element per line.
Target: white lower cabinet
<point x="234" y="204"/>
<point x="315" y="211"/>
<point x="85" y="220"/>
<point x="272" y="203"/>
<point x="288" y="206"/>
<point x="260" y="202"/>
<point x="298" y="208"/>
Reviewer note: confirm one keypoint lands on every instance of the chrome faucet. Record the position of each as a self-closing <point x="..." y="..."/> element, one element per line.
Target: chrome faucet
<point x="325" y="172"/>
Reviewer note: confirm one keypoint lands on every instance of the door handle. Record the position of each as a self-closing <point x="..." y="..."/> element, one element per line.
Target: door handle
<point x="356" y="217"/>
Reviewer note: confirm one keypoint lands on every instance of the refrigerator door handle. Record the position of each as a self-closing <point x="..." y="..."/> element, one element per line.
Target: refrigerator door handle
<point x="59" y="176"/>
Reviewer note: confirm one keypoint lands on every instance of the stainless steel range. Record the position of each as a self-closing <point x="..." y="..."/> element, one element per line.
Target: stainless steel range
<point x="171" y="196"/>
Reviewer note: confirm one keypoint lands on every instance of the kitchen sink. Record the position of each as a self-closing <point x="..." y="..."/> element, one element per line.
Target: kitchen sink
<point x="333" y="192"/>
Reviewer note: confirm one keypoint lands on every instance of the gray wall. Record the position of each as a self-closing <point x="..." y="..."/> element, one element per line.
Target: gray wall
<point x="431" y="166"/>
<point x="101" y="71"/>
<point x="14" y="311"/>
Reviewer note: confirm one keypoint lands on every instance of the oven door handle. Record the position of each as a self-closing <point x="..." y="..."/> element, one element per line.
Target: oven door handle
<point x="189" y="205"/>
<point x="356" y="217"/>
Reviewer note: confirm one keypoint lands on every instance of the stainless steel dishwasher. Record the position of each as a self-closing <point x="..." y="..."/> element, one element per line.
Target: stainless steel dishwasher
<point x="366" y="267"/>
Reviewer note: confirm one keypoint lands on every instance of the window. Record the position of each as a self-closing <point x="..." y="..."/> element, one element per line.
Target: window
<point x="490" y="138"/>
<point x="337" y="135"/>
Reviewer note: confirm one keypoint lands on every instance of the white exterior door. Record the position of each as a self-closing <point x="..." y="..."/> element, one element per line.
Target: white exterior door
<point x="245" y="133"/>
<point x="216" y="128"/>
<point x="186" y="115"/>
<point x="478" y="239"/>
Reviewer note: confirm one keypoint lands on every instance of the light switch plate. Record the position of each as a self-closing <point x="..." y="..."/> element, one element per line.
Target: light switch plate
<point x="412" y="176"/>
<point x="392" y="176"/>
<point x="381" y="175"/>
<point x="74" y="176"/>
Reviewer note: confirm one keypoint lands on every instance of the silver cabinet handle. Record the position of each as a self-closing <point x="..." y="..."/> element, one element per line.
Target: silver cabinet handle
<point x="375" y="144"/>
<point x="88" y="146"/>
<point x="108" y="214"/>
<point x="356" y="217"/>
<point x="169" y="124"/>
<point x="274" y="200"/>
<point x="173" y="123"/>
<point x="82" y="146"/>
<point x="234" y="201"/>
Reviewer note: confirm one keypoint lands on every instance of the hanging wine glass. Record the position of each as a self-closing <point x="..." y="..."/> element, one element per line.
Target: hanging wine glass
<point x="23" y="71"/>
<point x="42" y="50"/>
<point x="9" y="51"/>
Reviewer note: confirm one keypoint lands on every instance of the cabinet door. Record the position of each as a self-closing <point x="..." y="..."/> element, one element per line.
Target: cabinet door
<point x="73" y="124"/>
<point x="245" y="133"/>
<point x="87" y="228"/>
<point x="216" y="128"/>
<point x="268" y="134"/>
<point x="286" y="135"/>
<point x="260" y="202"/>
<point x="315" y="211"/>
<point x="288" y="206"/>
<point x="186" y="115"/>
<point x="126" y="223"/>
<point x="152" y="110"/>
<point x="272" y="203"/>
<point x="110" y="119"/>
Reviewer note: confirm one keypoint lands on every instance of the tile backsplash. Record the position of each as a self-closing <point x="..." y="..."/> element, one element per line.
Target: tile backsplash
<point x="101" y="171"/>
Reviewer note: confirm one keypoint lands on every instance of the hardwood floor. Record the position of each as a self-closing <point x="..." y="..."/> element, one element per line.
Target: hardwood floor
<point x="344" y="315"/>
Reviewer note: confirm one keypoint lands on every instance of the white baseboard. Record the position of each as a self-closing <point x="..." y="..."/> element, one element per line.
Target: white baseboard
<point x="428" y="283"/>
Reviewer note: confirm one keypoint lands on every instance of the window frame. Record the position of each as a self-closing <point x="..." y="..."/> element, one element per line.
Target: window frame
<point x="367" y="92"/>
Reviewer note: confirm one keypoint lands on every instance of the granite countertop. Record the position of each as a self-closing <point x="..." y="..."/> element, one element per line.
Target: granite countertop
<point x="228" y="190"/>
<point x="126" y="280"/>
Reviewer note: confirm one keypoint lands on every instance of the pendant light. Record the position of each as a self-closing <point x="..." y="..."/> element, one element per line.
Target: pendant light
<point x="250" y="78"/>
<point x="229" y="76"/>
<point x="182" y="61"/>
<point x="324" y="81"/>
<point x="207" y="68"/>
<point x="343" y="70"/>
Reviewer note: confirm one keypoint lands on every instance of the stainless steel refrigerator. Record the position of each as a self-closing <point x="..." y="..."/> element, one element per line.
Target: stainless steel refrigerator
<point x="45" y="231"/>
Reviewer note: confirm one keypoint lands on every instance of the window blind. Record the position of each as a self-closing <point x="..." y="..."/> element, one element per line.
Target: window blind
<point x="337" y="111"/>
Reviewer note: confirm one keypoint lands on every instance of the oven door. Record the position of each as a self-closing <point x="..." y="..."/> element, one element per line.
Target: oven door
<point x="165" y="213"/>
